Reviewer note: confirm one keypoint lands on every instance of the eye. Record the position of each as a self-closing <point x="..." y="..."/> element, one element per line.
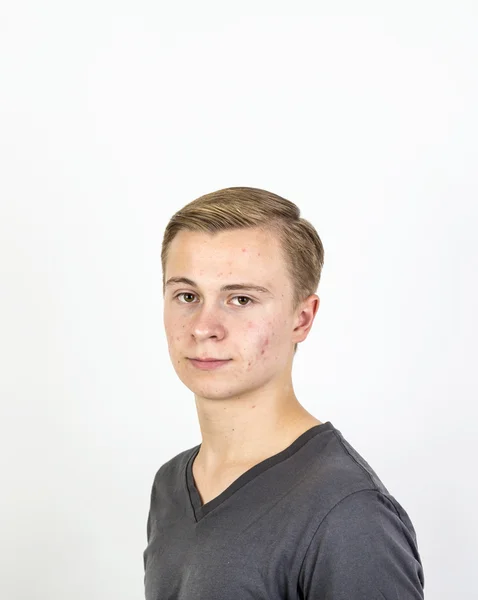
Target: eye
<point x="249" y="300"/>
<point x="184" y="294"/>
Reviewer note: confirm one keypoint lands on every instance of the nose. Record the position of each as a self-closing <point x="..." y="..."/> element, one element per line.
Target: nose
<point x="207" y="323"/>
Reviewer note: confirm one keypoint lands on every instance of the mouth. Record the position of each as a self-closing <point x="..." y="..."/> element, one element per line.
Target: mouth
<point x="208" y="363"/>
<point x="209" y="359"/>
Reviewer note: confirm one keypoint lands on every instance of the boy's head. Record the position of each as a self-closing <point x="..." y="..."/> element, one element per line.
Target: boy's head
<point x="239" y="235"/>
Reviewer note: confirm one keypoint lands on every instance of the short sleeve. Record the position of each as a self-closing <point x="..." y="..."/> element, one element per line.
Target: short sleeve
<point x="364" y="549"/>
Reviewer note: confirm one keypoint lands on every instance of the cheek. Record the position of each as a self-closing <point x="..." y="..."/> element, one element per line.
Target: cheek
<point x="263" y="335"/>
<point x="174" y="328"/>
<point x="259" y="338"/>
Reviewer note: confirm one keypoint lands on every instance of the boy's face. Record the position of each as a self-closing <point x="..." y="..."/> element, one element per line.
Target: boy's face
<point x="201" y="321"/>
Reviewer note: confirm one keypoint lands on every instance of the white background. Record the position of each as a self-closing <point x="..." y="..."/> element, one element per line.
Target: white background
<point x="116" y="114"/>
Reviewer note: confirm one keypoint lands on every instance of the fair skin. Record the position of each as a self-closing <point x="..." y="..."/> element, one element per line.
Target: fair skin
<point x="247" y="409"/>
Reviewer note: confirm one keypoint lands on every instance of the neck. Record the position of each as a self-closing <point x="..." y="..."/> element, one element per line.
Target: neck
<point x="245" y="430"/>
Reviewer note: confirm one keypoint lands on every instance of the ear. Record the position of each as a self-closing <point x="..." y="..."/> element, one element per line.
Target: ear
<point x="305" y="318"/>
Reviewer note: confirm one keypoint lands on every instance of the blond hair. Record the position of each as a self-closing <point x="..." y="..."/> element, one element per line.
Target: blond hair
<point x="245" y="207"/>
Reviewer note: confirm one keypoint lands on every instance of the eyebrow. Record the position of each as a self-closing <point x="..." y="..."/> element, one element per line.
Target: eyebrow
<point x="231" y="287"/>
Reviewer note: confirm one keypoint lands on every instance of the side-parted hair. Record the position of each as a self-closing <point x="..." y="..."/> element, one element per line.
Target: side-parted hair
<point x="245" y="207"/>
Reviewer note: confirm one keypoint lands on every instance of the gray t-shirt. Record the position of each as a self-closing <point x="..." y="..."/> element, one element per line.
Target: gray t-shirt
<point x="311" y="522"/>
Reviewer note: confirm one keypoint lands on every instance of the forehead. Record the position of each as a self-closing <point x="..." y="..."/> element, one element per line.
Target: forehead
<point x="250" y="252"/>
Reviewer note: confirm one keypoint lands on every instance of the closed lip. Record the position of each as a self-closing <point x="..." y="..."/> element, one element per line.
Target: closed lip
<point x="210" y="359"/>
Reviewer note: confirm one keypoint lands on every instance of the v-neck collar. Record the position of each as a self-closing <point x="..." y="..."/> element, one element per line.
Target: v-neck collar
<point x="200" y="510"/>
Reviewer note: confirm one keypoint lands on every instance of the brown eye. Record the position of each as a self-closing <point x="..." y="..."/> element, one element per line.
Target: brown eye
<point x="185" y="294"/>
<point x="249" y="300"/>
<point x="246" y="298"/>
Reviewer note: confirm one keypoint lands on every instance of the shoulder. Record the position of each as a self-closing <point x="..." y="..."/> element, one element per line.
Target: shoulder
<point x="343" y="461"/>
<point x="175" y="466"/>
<point x="365" y="546"/>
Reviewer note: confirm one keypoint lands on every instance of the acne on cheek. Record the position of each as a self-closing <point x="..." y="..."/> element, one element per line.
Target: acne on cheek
<point x="251" y="326"/>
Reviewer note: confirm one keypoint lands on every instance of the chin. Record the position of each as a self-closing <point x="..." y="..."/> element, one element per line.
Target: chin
<point x="212" y="390"/>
